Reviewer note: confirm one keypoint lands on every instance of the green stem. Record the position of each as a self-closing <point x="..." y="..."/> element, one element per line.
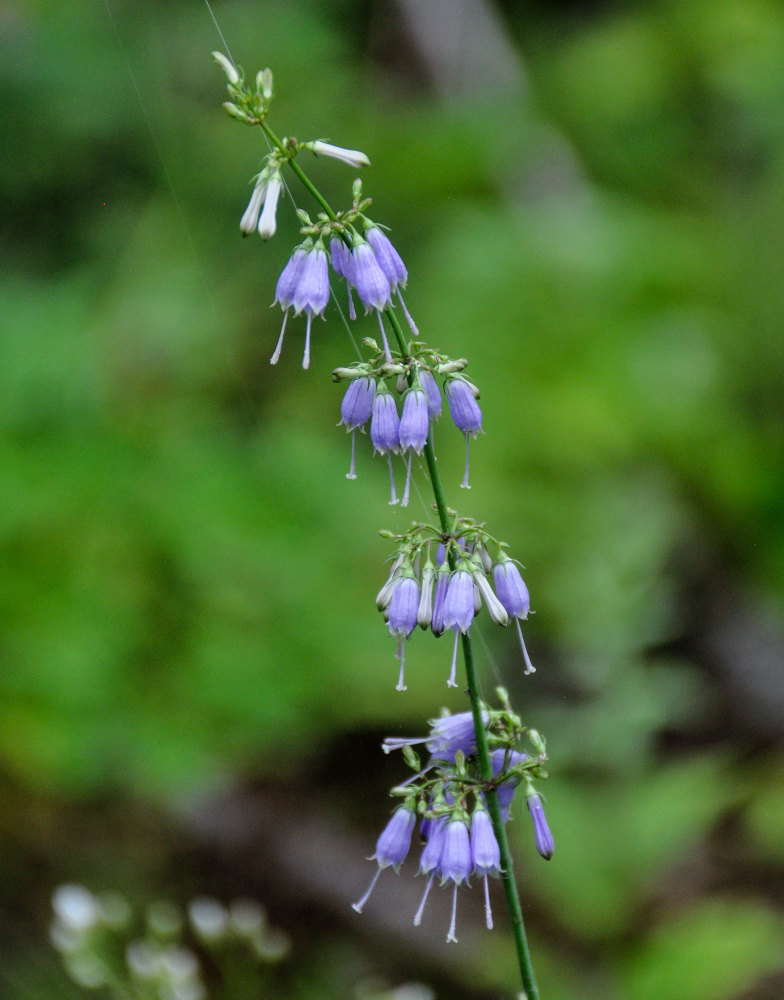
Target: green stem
<point x="483" y="750"/>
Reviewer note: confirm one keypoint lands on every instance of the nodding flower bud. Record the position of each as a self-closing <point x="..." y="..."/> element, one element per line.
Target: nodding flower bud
<point x="352" y="157"/>
<point x="227" y="66"/>
<point x="545" y="844"/>
<point x="437" y="626"/>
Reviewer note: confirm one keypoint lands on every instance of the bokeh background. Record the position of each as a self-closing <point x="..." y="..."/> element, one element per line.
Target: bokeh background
<point x="194" y="680"/>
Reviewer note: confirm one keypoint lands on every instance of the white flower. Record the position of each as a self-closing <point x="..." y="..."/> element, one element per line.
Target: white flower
<point x="267" y="224"/>
<point x="250" y="219"/>
<point x="352" y="157"/>
<point x="228" y="68"/>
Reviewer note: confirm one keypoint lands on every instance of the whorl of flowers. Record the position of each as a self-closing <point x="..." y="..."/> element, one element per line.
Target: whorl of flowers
<point x="447" y="795"/>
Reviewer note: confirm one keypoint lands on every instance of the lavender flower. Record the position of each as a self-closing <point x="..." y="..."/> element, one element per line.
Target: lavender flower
<point x="389" y="260"/>
<point x="454" y="864"/>
<point x="465" y="413"/>
<point x="430" y="386"/>
<point x="451" y="733"/>
<point x="513" y="594"/>
<point x="485" y="854"/>
<point x="304" y="284"/>
<point x="385" y="423"/>
<point x="371" y="283"/>
<point x="391" y="847"/>
<point x="544" y="839"/>
<point x="355" y="411"/>
<point x="393" y="267"/>
<point x="459" y="600"/>
<point x="448" y="734"/>
<point x="463" y="407"/>
<point x="342" y="265"/>
<point x="414" y="422"/>
<point x="442" y="585"/>
<point x="404" y="605"/>
<point x="512" y="591"/>
<point x="357" y="405"/>
<point x="502" y="760"/>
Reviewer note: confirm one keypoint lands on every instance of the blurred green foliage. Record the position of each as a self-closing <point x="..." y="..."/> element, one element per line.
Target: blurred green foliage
<point x="186" y="578"/>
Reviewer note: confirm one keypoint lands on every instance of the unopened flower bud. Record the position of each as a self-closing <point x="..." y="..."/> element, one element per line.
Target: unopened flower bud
<point x="232" y="110"/>
<point x="228" y="67"/>
<point x="353" y="157"/>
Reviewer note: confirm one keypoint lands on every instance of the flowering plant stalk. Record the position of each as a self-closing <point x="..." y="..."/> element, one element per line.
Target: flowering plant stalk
<point x="440" y="573"/>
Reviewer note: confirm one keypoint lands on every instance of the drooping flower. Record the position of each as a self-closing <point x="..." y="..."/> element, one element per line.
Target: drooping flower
<point x="391" y="847"/>
<point x="414" y="425"/>
<point x="425" y="609"/>
<point x="250" y="217"/>
<point x="512" y="591"/>
<point x="389" y="260"/>
<point x="342" y="265"/>
<point x="443" y="574"/>
<point x="545" y="844"/>
<point x="414" y="421"/>
<point x="485" y="854"/>
<point x="447" y="855"/>
<point x="402" y="616"/>
<point x="503" y="760"/>
<point x="393" y="267"/>
<point x="450" y="733"/>
<point x="385" y="423"/>
<point x="430" y="386"/>
<point x="372" y="285"/>
<point x="385" y="431"/>
<point x="494" y="606"/>
<point x="267" y="224"/>
<point x="355" y="411"/>
<point x="513" y="594"/>
<point x="303" y="284"/>
<point x="459" y="600"/>
<point x="465" y="413"/>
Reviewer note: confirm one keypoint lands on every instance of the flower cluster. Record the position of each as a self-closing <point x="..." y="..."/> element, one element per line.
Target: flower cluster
<point x="441" y="582"/>
<point x="448" y="798"/>
<point x="404" y="429"/>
